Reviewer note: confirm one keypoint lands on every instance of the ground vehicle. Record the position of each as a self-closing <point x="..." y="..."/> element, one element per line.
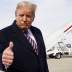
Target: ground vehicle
<point x="59" y="50"/>
<point x="54" y="52"/>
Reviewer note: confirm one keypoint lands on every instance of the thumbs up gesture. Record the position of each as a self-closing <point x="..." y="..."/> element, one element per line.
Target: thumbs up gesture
<point x="8" y="55"/>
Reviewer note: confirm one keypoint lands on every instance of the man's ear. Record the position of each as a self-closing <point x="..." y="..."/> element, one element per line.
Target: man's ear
<point x="33" y="17"/>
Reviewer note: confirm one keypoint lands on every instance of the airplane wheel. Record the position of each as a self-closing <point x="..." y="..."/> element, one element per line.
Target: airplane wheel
<point x="58" y="56"/>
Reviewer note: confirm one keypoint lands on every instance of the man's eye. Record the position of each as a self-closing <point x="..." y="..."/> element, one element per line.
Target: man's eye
<point x="29" y="16"/>
<point x="21" y="15"/>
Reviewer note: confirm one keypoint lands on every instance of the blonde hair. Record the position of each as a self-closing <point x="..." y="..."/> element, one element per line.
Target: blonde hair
<point x="27" y="3"/>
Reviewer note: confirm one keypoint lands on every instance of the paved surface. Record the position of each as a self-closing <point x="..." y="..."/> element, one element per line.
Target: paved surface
<point x="60" y="65"/>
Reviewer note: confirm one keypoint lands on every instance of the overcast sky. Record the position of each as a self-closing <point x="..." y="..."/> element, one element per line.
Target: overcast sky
<point x="51" y="15"/>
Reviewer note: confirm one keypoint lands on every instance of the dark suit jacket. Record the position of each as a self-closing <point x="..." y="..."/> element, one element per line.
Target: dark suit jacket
<point x="25" y="59"/>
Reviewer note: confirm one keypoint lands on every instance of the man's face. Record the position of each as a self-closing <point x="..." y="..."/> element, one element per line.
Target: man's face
<point x="24" y="17"/>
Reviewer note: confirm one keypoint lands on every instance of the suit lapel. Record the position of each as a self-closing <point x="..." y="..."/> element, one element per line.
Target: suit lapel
<point x="36" y="36"/>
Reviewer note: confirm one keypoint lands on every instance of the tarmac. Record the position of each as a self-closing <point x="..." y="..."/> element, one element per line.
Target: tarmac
<point x="60" y="65"/>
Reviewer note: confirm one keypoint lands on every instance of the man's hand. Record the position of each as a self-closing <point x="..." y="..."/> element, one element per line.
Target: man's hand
<point x="8" y="55"/>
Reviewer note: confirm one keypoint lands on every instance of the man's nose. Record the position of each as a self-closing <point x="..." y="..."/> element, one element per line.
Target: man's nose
<point x="24" y="18"/>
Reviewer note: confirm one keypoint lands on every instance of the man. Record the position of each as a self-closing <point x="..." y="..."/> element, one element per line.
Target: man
<point x="22" y="47"/>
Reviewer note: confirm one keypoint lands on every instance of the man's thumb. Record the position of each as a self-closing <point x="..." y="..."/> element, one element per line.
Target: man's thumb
<point x="11" y="44"/>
